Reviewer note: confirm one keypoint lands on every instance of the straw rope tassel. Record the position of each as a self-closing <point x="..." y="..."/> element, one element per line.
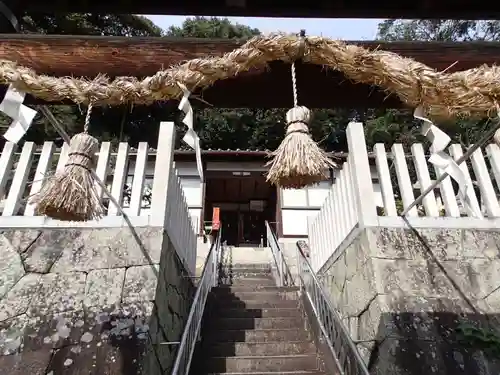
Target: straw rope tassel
<point x="71" y="195"/>
<point x="298" y="161"/>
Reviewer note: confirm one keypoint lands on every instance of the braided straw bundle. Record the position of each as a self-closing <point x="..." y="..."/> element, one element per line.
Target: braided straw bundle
<point x="473" y="91"/>
<point x="72" y="195"/>
<point x="298" y="161"/>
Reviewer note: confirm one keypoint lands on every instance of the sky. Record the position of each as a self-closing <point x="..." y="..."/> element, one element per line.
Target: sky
<point x="348" y="29"/>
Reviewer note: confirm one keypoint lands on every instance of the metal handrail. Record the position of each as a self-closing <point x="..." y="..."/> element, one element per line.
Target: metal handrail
<point x="335" y="335"/>
<point x="208" y="279"/>
<point x="284" y="276"/>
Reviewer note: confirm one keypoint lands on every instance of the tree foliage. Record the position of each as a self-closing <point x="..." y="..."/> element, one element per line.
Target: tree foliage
<point x="439" y="30"/>
<point x="89" y="24"/>
<point x="213" y="27"/>
<point x="399" y="125"/>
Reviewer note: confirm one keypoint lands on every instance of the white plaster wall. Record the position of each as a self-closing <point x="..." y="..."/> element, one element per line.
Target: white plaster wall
<point x="295" y="221"/>
<point x="298" y="205"/>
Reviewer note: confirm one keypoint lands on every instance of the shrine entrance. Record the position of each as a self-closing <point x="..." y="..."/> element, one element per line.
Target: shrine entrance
<point x="245" y="200"/>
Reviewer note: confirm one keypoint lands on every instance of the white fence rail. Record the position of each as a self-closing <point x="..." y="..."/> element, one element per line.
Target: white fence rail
<point x="326" y="232"/>
<point x="147" y="198"/>
<point x="359" y="198"/>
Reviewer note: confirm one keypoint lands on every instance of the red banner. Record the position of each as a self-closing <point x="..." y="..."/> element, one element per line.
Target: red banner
<point x="216" y="219"/>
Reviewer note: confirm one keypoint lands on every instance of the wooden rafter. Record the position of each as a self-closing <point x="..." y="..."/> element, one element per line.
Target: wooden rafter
<point x="117" y="56"/>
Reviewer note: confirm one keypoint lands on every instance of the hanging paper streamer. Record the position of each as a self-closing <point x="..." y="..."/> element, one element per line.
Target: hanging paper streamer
<point x="446" y="163"/>
<point x="21" y="115"/>
<point x="190" y="138"/>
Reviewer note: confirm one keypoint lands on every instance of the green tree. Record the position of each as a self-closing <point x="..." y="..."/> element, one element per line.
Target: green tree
<point x="213" y="27"/>
<point x="89" y="24"/>
<point x="439" y="30"/>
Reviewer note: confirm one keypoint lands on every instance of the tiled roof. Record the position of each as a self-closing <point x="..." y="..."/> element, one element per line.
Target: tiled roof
<point x="225" y="151"/>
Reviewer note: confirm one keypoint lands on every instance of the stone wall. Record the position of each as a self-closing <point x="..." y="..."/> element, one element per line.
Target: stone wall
<point x="90" y="301"/>
<point x="417" y="309"/>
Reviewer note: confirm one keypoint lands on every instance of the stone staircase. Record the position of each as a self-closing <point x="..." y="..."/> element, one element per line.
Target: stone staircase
<point x="254" y="327"/>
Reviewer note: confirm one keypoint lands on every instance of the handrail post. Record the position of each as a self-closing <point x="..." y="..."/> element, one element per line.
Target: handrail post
<point x="299" y="268"/>
<point x="280" y="265"/>
<point x="215" y="260"/>
<point x="360" y="170"/>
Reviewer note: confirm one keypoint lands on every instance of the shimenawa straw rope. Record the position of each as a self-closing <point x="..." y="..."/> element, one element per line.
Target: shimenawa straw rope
<point x="470" y="92"/>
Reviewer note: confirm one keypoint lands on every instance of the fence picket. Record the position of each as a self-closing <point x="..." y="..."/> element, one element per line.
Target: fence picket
<point x="456" y="153"/>
<point x="405" y="186"/>
<point x="138" y="179"/>
<point x="360" y="169"/>
<point x="18" y="186"/>
<point x="448" y="195"/>
<point x="63" y="158"/>
<point x="351" y="201"/>
<point x="485" y="185"/>
<point x="119" y="178"/>
<point x="103" y="166"/>
<point x="342" y="199"/>
<point x="332" y="221"/>
<point x="493" y="152"/>
<point x="329" y="220"/>
<point x="424" y="178"/>
<point x="385" y="182"/>
<point x="40" y="175"/>
<point x="6" y="161"/>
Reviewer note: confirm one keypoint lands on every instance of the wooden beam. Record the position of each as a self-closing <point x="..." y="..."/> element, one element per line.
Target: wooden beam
<point x="88" y="56"/>
<point x="63" y="55"/>
<point x="445" y="9"/>
<point x="317" y="87"/>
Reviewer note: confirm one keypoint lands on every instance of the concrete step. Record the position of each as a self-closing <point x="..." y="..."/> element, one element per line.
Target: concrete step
<point x="248" y="281"/>
<point x="228" y="303"/>
<point x="232" y="278"/>
<point x="254" y="295"/>
<point x="263" y="363"/>
<point x="253" y="288"/>
<point x="257" y="335"/>
<point x="244" y="274"/>
<point x="256" y="323"/>
<point x="272" y="373"/>
<point x="231" y="349"/>
<point x="252" y="266"/>
<point x="241" y="269"/>
<point x="260" y="313"/>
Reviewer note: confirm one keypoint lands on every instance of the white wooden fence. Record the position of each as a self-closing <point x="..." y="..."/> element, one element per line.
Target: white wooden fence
<point x="401" y="177"/>
<point x="156" y="200"/>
